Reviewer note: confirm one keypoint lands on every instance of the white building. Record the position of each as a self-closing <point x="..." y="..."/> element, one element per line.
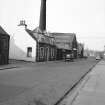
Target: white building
<point x="22" y="46"/>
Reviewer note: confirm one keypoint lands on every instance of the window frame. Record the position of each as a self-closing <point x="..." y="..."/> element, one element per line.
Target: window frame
<point x="29" y="52"/>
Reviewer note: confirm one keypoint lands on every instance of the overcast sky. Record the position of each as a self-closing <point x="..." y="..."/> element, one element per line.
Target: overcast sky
<point x="86" y="18"/>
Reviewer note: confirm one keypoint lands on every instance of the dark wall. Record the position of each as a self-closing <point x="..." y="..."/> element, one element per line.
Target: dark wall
<point x="60" y="54"/>
<point x="45" y="52"/>
<point x="4" y="49"/>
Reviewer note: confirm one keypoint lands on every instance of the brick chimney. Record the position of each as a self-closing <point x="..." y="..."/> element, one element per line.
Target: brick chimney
<point x="42" y="23"/>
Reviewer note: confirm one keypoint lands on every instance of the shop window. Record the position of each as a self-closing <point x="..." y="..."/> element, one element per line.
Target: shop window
<point x="29" y="52"/>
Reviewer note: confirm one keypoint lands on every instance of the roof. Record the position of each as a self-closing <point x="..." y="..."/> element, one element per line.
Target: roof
<point x="64" y="37"/>
<point x="62" y="34"/>
<point x="64" y="40"/>
<point x="47" y="34"/>
<point x="2" y="31"/>
<point x="31" y="34"/>
<point x="40" y="37"/>
<point x="63" y="46"/>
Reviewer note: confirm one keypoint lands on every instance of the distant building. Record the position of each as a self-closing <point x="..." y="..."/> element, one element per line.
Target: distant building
<point x="65" y="43"/>
<point x="4" y="46"/>
<point x="80" y="50"/>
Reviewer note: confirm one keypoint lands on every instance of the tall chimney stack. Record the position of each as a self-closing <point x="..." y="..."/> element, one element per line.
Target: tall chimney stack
<point x="42" y="24"/>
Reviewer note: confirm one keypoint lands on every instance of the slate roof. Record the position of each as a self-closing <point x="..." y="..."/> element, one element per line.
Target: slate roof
<point x="64" y="40"/>
<point x="66" y="37"/>
<point x="38" y="36"/>
<point x="2" y="31"/>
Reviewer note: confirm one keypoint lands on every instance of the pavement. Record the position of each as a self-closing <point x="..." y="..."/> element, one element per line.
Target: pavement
<point x="91" y="90"/>
<point x="12" y="64"/>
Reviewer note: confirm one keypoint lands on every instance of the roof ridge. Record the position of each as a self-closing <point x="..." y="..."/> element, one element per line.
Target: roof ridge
<point x="65" y="34"/>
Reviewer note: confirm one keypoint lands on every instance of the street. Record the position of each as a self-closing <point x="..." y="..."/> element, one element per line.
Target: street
<point x="43" y="83"/>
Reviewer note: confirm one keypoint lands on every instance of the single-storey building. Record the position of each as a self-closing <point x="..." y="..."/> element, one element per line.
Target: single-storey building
<point x="4" y="46"/>
<point x="65" y="43"/>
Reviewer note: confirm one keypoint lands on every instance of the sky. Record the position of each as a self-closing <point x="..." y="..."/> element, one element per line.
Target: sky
<point x="86" y="18"/>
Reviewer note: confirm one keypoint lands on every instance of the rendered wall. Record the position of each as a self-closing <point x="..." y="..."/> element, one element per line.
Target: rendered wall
<point x="19" y="43"/>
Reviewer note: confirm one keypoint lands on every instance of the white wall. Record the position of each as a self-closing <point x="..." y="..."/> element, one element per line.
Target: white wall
<point x="19" y="43"/>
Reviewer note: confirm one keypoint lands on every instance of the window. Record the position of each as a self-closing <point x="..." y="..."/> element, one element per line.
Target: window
<point x="5" y="43"/>
<point x="52" y="52"/>
<point x="29" y="52"/>
<point x="41" y="52"/>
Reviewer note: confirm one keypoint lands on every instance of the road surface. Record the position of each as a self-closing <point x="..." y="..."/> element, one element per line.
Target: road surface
<point x="40" y="83"/>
